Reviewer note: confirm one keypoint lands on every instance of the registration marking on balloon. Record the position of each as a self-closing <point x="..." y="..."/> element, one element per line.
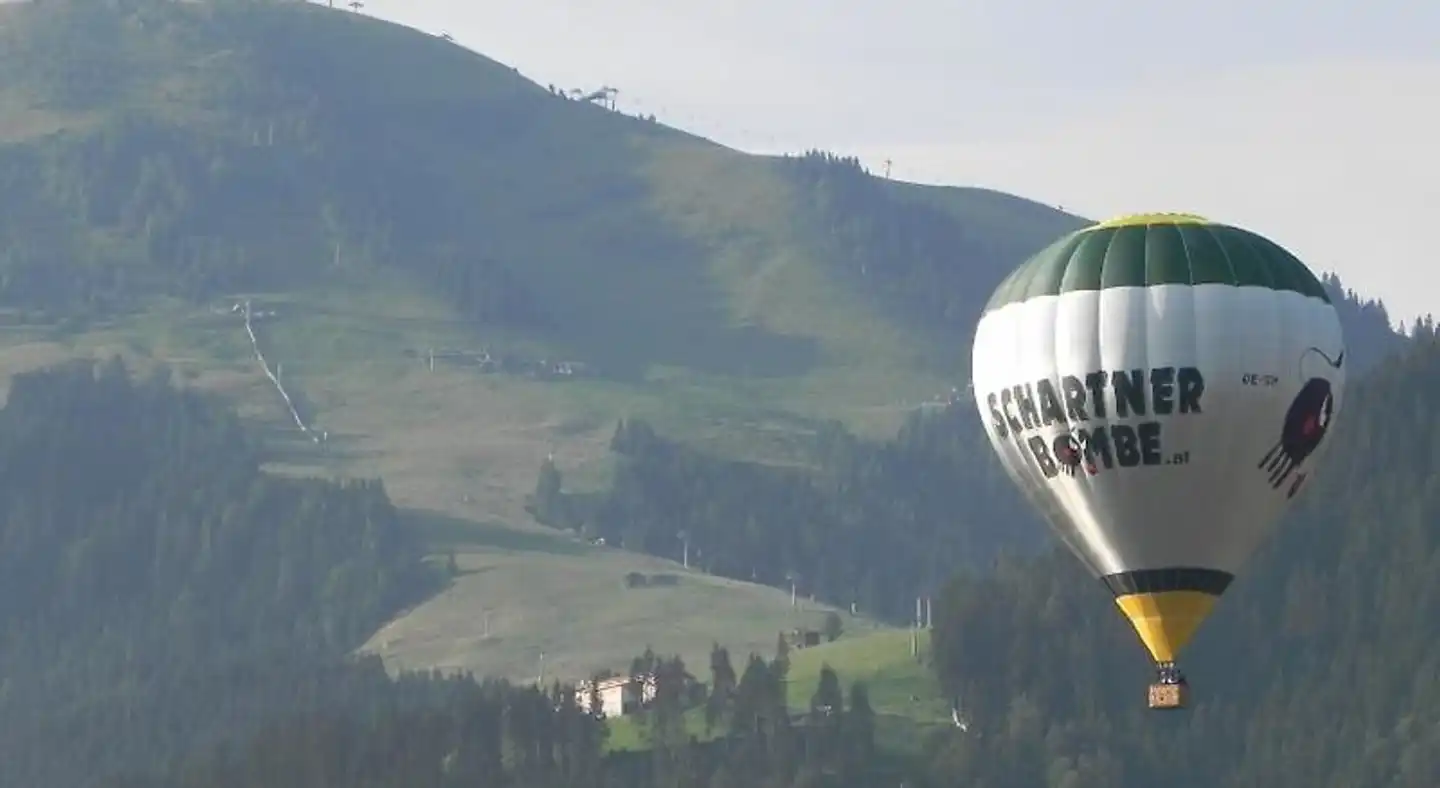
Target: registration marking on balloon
<point x="1084" y="404"/>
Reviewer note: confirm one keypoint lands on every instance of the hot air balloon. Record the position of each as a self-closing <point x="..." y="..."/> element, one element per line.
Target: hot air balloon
<point x="1160" y="387"/>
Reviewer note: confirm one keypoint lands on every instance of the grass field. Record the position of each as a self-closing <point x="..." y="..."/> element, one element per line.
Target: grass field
<point x="903" y="690"/>
<point x="524" y="593"/>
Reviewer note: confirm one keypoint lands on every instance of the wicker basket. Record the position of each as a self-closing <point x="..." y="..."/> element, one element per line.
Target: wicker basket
<point x="1169" y="696"/>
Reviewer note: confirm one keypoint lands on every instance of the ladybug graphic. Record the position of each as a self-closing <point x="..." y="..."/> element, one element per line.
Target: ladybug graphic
<point x="1306" y="422"/>
<point x="1069" y="453"/>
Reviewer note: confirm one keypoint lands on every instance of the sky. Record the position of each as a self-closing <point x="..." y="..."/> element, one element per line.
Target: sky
<point x="1314" y="122"/>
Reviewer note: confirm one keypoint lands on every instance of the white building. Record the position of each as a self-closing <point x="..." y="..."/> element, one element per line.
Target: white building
<point x="618" y="696"/>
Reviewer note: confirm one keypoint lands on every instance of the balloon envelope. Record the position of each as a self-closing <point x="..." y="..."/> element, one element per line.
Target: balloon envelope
<point x="1160" y="387"/>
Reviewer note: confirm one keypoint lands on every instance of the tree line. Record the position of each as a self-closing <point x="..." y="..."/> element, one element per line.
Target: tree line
<point x="872" y="524"/>
<point x="424" y="729"/>
<point x="157" y="590"/>
<point x="751" y="735"/>
<point x="928" y="266"/>
<point x="931" y="266"/>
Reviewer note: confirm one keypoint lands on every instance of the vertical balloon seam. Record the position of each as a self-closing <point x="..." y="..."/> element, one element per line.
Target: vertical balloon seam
<point x="1095" y="530"/>
<point x="1280" y="267"/>
<point x="1053" y="508"/>
<point x="1234" y="275"/>
<point x="1206" y="362"/>
<point x="1231" y="438"/>
<point x="1161" y="603"/>
<point x="1146" y="611"/>
<point x="1075" y="268"/>
<point x="1232" y="435"/>
<point x="1189" y="260"/>
<point x="1001" y="446"/>
<point x="1097" y="335"/>
<point x="1313" y="286"/>
<point x="1020" y="291"/>
<point x="1194" y="317"/>
<point x="1271" y="315"/>
<point x="1040" y="270"/>
<point x="1147" y="317"/>
<point x="1264" y="270"/>
<point x="1059" y="326"/>
<point x="1289" y="366"/>
<point x="1284" y="367"/>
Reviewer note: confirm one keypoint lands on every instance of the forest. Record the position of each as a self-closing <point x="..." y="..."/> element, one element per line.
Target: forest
<point x="437" y="731"/>
<point x="932" y="269"/>
<point x="898" y="248"/>
<point x="874" y="524"/>
<point x="157" y="590"/>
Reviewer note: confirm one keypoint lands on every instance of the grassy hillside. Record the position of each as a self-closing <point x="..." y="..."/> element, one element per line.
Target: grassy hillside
<point x="522" y="595"/>
<point x="904" y="691"/>
<point x="378" y="193"/>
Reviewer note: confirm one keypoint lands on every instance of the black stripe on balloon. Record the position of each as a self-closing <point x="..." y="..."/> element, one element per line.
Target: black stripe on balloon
<point x="1174" y="578"/>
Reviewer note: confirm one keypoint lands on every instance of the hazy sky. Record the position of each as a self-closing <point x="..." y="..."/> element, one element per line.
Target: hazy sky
<point x="1315" y="122"/>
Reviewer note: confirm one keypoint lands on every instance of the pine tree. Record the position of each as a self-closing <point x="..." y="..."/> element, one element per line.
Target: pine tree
<point x="722" y="687"/>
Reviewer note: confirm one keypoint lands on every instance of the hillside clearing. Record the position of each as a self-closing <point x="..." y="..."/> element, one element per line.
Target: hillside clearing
<point x="524" y="594"/>
<point x="904" y="692"/>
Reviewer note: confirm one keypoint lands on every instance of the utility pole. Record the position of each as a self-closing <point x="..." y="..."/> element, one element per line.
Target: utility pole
<point x="915" y="631"/>
<point x="887" y="169"/>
